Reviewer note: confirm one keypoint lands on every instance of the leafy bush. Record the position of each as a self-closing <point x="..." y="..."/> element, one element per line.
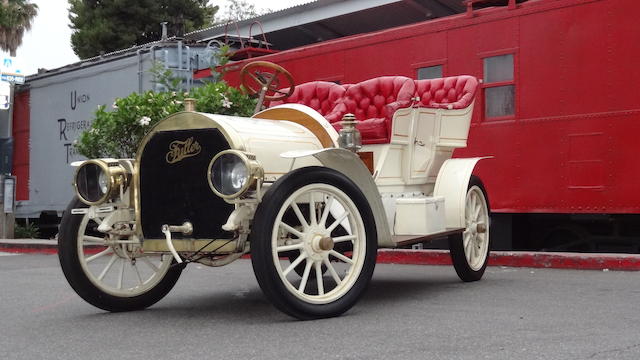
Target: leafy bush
<point x="117" y="133"/>
<point x="28" y="231"/>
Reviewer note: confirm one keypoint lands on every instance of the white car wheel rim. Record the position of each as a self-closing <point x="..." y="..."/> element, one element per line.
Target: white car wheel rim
<point x="115" y="266"/>
<point x="476" y="235"/>
<point x="314" y="241"/>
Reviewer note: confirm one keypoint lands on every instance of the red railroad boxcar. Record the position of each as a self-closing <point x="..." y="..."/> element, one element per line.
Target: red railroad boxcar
<point x="558" y="110"/>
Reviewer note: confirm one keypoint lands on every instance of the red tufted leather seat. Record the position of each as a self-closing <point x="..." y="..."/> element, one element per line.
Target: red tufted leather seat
<point x="455" y="92"/>
<point x="374" y="102"/>
<point x="321" y="96"/>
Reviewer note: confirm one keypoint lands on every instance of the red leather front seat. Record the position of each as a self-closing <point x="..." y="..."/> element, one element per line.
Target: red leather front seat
<point x="374" y="102"/>
<point x="321" y="96"/>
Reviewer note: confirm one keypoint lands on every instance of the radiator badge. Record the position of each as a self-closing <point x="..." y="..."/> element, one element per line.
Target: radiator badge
<point x="179" y="150"/>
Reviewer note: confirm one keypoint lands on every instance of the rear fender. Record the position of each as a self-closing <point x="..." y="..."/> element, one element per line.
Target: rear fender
<point x="452" y="183"/>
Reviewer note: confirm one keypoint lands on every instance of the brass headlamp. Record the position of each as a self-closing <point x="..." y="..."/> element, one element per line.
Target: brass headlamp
<point x="97" y="181"/>
<point x="232" y="173"/>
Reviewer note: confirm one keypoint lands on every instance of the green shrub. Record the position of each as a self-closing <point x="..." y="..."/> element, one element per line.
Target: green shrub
<point x="29" y="231"/>
<point x="116" y="132"/>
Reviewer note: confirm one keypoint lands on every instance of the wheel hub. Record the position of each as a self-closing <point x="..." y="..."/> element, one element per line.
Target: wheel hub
<point x="321" y="244"/>
<point x="317" y="244"/>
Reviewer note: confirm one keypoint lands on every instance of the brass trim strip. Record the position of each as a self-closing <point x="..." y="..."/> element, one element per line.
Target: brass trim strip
<point x="300" y="118"/>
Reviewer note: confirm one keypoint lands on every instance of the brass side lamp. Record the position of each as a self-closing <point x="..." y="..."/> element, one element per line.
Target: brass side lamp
<point x="350" y="137"/>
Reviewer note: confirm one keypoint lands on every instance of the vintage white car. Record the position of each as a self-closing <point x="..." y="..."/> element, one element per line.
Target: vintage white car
<point x="308" y="202"/>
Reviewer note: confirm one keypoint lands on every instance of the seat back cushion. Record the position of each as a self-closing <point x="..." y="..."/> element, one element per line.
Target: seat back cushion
<point x="455" y="92"/>
<point x="368" y="99"/>
<point x="374" y="101"/>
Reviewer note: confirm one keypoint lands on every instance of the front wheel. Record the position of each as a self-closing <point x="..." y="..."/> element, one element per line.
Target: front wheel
<point x="111" y="272"/>
<point x="470" y="251"/>
<point x="337" y="234"/>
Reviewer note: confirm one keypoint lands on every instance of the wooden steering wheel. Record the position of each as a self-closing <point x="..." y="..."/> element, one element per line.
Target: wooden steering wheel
<point x="266" y="79"/>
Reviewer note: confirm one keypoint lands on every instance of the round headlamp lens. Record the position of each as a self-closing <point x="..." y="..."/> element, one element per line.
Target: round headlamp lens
<point x="91" y="182"/>
<point x="229" y="174"/>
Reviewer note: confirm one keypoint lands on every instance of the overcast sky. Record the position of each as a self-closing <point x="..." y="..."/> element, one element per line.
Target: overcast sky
<point x="48" y="43"/>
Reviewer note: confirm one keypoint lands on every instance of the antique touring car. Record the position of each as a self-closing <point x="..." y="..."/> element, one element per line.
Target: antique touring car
<point x="310" y="204"/>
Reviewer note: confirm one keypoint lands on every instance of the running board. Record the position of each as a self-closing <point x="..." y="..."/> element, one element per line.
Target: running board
<point x="408" y="240"/>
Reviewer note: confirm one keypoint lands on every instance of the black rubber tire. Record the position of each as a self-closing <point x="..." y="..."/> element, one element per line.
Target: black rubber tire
<point x="261" y="249"/>
<point x="456" y="247"/>
<point x="72" y="269"/>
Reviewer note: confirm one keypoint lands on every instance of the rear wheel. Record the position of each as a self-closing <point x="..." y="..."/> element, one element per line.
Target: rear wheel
<point x="109" y="272"/>
<point x="470" y="251"/>
<point x="336" y="206"/>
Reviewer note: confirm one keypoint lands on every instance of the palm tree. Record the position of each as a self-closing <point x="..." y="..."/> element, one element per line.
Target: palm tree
<point x="16" y="17"/>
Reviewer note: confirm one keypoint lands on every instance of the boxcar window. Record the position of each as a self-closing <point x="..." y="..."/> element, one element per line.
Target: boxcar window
<point x="498" y="68"/>
<point x="499" y="101"/>
<point x="499" y="86"/>
<point x="430" y="72"/>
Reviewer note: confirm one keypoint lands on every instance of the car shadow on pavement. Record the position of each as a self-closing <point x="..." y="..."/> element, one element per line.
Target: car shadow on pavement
<point x="247" y="305"/>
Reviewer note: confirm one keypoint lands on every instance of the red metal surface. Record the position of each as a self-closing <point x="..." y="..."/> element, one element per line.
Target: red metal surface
<point x="619" y="262"/>
<point x="571" y="145"/>
<point x="613" y="262"/>
<point x="21" y="121"/>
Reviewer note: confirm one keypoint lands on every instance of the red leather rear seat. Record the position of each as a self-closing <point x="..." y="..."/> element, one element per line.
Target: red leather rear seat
<point x="455" y="92"/>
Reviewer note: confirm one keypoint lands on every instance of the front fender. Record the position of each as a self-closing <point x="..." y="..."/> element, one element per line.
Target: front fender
<point x="452" y="183"/>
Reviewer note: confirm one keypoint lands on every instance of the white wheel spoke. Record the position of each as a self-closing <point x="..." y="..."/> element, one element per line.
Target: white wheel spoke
<point x="326" y="211"/>
<point x="149" y="263"/>
<point x="289" y="247"/>
<point x="476" y="213"/>
<point x="319" y="278"/>
<point x="338" y="221"/>
<point x="474" y="250"/>
<point x="332" y="271"/>
<point x="138" y="273"/>
<point x="93" y="239"/>
<point x="295" y="263"/>
<point x="473" y="200"/>
<point x="301" y="218"/>
<point x="344" y="238"/>
<point x="467" y="244"/>
<point x="291" y="230"/>
<point x="340" y="256"/>
<point x="98" y="255"/>
<point x="305" y="276"/>
<point x="97" y="220"/>
<point x="109" y="265"/>
<point x="121" y="277"/>
<point x="312" y="210"/>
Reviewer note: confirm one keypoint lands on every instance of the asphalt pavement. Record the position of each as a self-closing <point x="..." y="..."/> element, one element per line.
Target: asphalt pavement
<point x="409" y="312"/>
